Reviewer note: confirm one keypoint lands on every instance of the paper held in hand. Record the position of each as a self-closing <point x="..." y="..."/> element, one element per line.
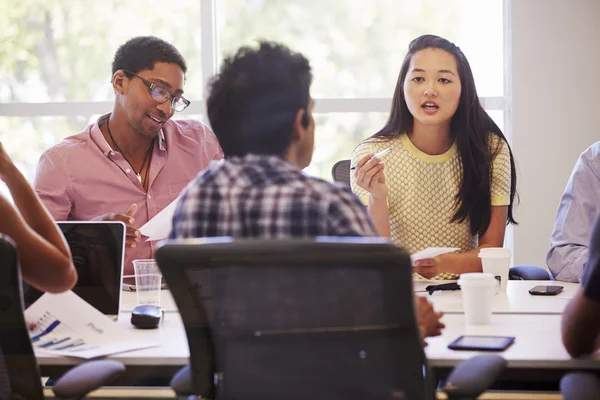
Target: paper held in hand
<point x="431" y="252"/>
<point x="159" y="227"/>
<point x="65" y="325"/>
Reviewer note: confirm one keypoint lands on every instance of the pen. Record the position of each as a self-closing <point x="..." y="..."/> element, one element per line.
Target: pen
<point x="378" y="155"/>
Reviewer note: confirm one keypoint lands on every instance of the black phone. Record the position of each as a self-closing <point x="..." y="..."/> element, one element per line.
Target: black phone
<point x="482" y="343"/>
<point x="543" y="290"/>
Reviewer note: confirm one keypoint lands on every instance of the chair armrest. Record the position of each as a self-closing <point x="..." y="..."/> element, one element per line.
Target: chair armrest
<point x="474" y="376"/>
<point x="181" y="383"/>
<point x="84" y="378"/>
<point x="580" y="386"/>
<point x="529" y="273"/>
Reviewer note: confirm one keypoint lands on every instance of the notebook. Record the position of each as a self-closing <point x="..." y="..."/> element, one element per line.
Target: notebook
<point x="98" y="250"/>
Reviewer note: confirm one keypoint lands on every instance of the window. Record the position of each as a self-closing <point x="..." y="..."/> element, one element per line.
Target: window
<point x="58" y="51"/>
<point x="55" y="58"/>
<point x="356" y="50"/>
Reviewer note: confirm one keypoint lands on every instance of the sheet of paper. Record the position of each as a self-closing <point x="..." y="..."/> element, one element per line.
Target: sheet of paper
<point x="159" y="227"/>
<point x="431" y="252"/>
<point x="68" y="326"/>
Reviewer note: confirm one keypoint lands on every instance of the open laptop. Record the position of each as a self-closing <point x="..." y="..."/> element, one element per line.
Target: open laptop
<point x="98" y="250"/>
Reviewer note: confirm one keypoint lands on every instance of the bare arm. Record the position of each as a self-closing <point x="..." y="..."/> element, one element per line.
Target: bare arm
<point x="581" y="325"/>
<point x="467" y="261"/>
<point x="369" y="176"/>
<point x="43" y="253"/>
<point x="378" y="210"/>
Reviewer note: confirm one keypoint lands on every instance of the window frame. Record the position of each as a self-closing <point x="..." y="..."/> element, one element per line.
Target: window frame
<point x="209" y="65"/>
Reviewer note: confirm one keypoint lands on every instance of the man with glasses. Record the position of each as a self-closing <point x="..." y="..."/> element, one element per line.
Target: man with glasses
<point x="130" y="164"/>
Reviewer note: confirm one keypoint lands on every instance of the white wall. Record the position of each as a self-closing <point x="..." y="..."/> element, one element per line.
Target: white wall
<point x="556" y="108"/>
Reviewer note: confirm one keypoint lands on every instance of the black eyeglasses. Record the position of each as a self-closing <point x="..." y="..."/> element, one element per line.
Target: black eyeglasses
<point x="160" y="94"/>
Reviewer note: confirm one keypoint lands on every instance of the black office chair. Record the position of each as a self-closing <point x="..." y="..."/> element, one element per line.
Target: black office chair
<point x="580" y="386"/>
<point x="304" y="319"/>
<point x="529" y="273"/>
<point x="341" y="173"/>
<point x="19" y="372"/>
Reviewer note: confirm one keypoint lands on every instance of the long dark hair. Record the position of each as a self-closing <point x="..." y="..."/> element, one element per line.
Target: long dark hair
<point x="470" y="127"/>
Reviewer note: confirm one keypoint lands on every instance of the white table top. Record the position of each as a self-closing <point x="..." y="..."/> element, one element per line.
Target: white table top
<point x="538" y="342"/>
<point x="516" y="299"/>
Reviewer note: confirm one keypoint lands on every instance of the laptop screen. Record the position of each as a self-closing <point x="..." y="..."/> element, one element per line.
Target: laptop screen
<point x="98" y="249"/>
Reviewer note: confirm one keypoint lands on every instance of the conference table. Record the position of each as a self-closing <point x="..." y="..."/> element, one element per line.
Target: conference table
<point x="537" y="358"/>
<point x="537" y="353"/>
<point x="516" y="299"/>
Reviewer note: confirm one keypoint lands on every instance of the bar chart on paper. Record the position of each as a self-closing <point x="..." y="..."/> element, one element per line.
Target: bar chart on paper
<point x="78" y="330"/>
<point x="51" y="334"/>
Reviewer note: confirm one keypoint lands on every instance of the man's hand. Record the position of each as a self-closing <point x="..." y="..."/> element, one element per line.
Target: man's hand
<point x="427" y="319"/>
<point x="133" y="235"/>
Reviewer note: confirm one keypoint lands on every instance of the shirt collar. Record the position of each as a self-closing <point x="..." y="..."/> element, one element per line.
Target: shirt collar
<point x="265" y="161"/>
<point x="98" y="137"/>
<point x="161" y="139"/>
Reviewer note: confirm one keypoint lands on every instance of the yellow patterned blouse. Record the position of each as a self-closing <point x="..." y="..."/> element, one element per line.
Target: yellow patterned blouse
<point x="422" y="189"/>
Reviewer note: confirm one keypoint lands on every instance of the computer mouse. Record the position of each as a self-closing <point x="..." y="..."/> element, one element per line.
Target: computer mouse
<point x="146" y="317"/>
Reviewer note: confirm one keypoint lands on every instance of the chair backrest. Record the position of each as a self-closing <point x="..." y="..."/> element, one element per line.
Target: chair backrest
<point x="341" y="171"/>
<point x="296" y="319"/>
<point x="19" y="373"/>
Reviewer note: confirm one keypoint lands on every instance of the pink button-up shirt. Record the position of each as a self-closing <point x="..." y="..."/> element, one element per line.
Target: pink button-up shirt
<point x="82" y="177"/>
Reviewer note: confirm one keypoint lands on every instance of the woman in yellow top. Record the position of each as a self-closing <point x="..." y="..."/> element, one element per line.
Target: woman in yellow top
<point x="449" y="180"/>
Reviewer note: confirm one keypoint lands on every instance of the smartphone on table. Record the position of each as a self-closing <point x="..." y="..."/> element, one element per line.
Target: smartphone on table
<point x="482" y="343"/>
<point x="546" y="290"/>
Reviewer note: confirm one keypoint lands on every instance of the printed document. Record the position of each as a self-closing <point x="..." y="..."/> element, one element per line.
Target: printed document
<point x="159" y="227"/>
<point x="66" y="325"/>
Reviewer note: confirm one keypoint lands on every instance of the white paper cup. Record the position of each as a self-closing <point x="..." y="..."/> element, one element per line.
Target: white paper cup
<point x="478" y="293"/>
<point x="147" y="282"/>
<point x="496" y="261"/>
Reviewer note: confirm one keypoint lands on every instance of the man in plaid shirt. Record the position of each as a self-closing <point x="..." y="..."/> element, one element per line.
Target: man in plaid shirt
<point x="261" y="112"/>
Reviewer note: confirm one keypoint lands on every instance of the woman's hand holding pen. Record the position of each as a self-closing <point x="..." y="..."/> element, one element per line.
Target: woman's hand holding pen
<point x="370" y="177"/>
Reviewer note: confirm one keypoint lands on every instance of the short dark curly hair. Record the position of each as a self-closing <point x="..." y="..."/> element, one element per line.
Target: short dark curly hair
<point x="254" y="99"/>
<point x="143" y="52"/>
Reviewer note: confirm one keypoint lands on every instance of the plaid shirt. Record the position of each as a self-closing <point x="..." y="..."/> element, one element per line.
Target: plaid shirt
<point x="266" y="197"/>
